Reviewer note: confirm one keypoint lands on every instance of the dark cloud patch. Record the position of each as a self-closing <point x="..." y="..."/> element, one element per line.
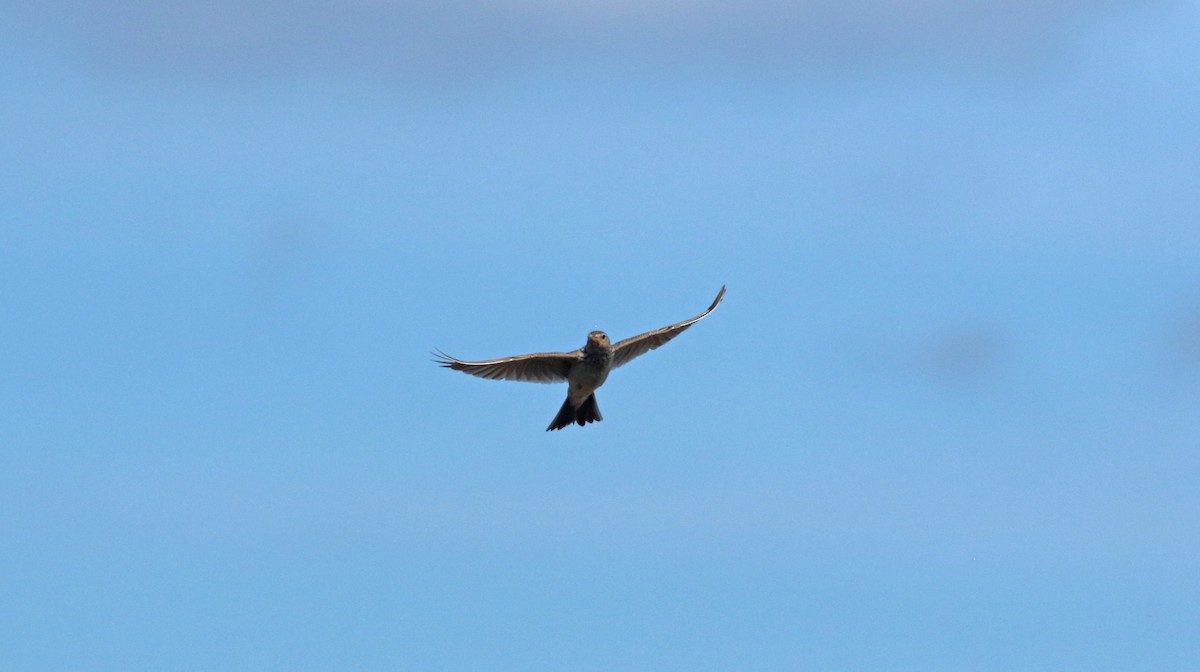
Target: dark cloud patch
<point x="283" y="252"/>
<point x="1183" y="339"/>
<point x="967" y="353"/>
<point x="448" y="42"/>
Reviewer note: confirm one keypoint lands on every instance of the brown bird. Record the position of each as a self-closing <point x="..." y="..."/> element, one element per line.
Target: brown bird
<point x="583" y="370"/>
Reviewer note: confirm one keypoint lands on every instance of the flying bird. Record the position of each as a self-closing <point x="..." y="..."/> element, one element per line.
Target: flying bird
<point x="583" y="370"/>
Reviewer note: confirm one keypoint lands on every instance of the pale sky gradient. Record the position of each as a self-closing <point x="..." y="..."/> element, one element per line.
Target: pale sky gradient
<point x="945" y="419"/>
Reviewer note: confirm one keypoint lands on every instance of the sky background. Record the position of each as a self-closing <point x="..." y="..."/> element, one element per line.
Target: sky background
<point x="945" y="419"/>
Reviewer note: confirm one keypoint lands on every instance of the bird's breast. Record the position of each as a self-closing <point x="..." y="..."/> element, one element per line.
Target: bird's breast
<point x="587" y="374"/>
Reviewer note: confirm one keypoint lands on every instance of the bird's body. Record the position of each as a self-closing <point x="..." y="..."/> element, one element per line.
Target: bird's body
<point x="584" y="370"/>
<point x="592" y="369"/>
<point x="583" y="378"/>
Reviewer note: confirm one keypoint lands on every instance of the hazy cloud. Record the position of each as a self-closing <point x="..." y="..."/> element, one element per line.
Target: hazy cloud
<point x="457" y="40"/>
<point x="1183" y="338"/>
<point x="967" y="353"/>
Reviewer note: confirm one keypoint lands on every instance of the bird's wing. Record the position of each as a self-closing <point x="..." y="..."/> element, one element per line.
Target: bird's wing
<point x="626" y="350"/>
<point x="540" y="367"/>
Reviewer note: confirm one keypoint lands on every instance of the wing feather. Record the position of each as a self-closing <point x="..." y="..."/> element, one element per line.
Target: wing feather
<point x="626" y="350"/>
<point x="539" y="367"/>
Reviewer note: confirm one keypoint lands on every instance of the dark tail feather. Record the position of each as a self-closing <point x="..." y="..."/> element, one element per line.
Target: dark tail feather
<point x="587" y="412"/>
<point x="566" y="415"/>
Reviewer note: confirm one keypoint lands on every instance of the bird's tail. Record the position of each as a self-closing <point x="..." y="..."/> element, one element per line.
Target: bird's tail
<point x="587" y="412"/>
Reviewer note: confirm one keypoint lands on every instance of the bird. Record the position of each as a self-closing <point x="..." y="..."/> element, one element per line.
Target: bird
<point x="584" y="370"/>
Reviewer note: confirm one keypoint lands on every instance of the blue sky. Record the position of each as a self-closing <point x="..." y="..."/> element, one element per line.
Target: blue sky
<point x="945" y="418"/>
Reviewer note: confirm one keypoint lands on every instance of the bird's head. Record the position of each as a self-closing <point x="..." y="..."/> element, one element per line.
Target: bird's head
<point x="598" y="339"/>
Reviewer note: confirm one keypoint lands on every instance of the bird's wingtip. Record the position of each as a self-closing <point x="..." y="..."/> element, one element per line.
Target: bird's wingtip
<point x="720" y="295"/>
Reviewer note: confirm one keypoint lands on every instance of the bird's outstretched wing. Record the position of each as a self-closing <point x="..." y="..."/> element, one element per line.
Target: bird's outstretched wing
<point x="540" y="367"/>
<point x="624" y="351"/>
